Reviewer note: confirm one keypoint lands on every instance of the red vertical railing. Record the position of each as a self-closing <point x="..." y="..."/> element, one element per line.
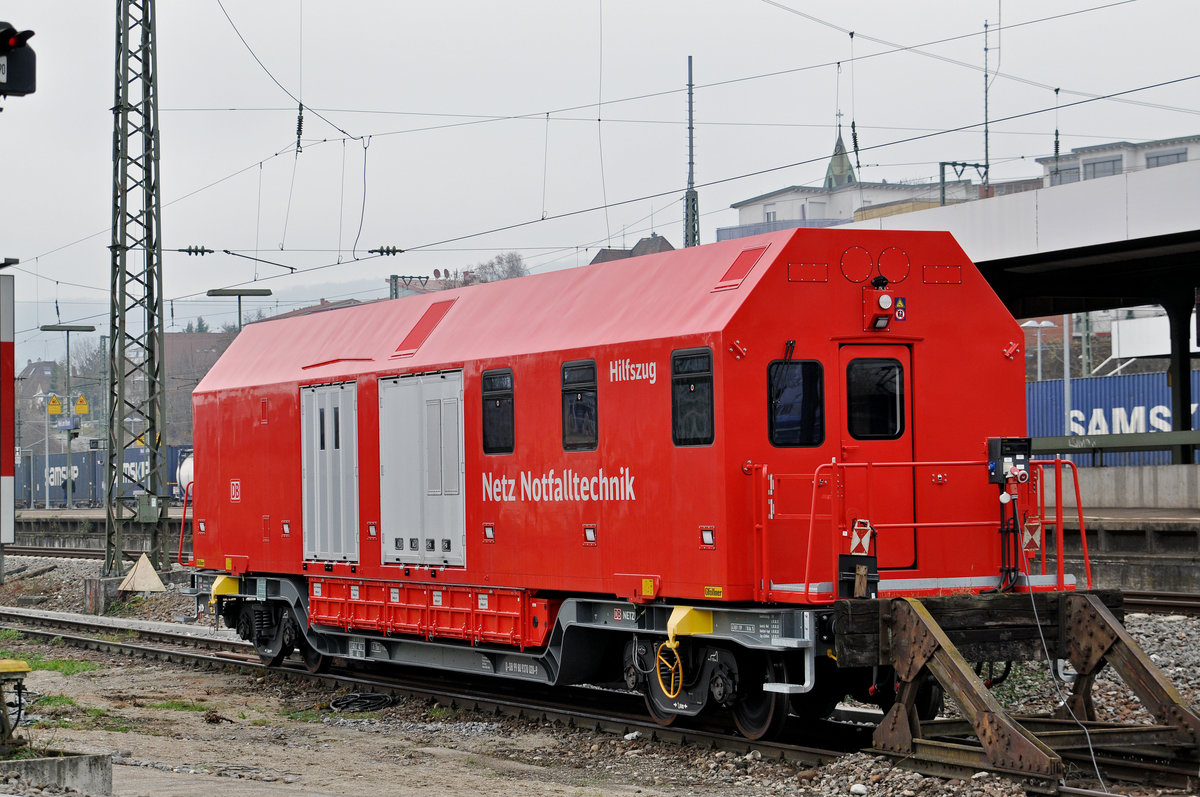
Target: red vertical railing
<point x="1060" y="553"/>
<point x="187" y="497"/>
<point x="829" y="478"/>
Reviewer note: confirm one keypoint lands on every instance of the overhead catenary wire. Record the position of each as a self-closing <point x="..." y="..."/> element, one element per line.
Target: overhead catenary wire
<point x="918" y="49"/>
<point x="482" y="119"/>
<point x="710" y="183"/>
<point x="268" y="73"/>
<point x="892" y="49"/>
<point x="545" y="163"/>
<point x="362" y="213"/>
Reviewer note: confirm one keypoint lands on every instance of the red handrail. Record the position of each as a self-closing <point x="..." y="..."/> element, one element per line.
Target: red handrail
<point x="828" y="476"/>
<point x="187" y="496"/>
<point x="1060" y="554"/>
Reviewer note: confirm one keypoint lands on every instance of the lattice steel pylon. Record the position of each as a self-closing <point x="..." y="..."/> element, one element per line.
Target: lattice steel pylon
<point x="136" y="382"/>
<point x="691" y="202"/>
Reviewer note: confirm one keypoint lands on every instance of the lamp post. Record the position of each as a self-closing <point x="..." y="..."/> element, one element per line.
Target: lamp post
<point x="239" y="293"/>
<point x="1039" y="326"/>
<point x="68" y="328"/>
<point x="43" y="397"/>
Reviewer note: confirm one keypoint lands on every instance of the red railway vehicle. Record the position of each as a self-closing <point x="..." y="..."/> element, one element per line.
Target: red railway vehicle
<point x="670" y="470"/>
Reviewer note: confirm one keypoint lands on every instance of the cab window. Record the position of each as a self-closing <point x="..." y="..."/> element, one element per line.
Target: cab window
<point x="692" y="397"/>
<point x="580" y="426"/>
<point x="796" y="412"/>
<point x="498" y="426"/>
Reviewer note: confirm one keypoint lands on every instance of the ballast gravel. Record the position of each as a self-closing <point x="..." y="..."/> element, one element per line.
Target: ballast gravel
<point x="263" y="734"/>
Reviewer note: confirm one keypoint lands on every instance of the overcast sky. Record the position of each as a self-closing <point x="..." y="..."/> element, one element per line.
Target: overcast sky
<point x="426" y="125"/>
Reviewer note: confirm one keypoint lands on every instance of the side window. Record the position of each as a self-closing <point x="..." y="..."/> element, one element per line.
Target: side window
<point x="579" y="423"/>
<point x="796" y="414"/>
<point x="498" y="426"/>
<point x="875" y="399"/>
<point x="692" y="397"/>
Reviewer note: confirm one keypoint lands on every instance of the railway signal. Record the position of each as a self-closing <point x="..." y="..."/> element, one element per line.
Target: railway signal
<point x="18" y="62"/>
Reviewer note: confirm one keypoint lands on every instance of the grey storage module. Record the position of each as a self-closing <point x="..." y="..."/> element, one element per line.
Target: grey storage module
<point x="329" y="450"/>
<point x="422" y="504"/>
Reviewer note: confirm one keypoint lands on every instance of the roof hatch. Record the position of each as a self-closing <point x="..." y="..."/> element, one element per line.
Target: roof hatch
<point x="423" y="328"/>
<point x="741" y="267"/>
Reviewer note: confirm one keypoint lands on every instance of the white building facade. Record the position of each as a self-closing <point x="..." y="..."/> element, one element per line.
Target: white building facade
<point x="1121" y="157"/>
<point x="837" y="200"/>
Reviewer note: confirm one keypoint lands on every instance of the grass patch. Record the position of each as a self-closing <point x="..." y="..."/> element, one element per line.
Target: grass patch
<point x="178" y="705"/>
<point x="64" y="666"/>
<point x="261" y="722"/>
<point x="125" y="606"/>
<point x="54" y="701"/>
<point x="10" y="635"/>
<point x="96" y="713"/>
<point x="305" y="715"/>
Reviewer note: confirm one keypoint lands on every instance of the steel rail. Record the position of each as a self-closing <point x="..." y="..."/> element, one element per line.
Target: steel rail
<point x="36" y="551"/>
<point x="1179" y="602"/>
<point x="602" y="710"/>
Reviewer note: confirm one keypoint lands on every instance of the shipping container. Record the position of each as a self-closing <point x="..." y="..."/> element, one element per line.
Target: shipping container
<point x="90" y="474"/>
<point x="1122" y="404"/>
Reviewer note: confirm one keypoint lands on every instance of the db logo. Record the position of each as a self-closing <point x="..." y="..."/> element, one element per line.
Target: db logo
<point x="617" y="614"/>
<point x="235" y="490"/>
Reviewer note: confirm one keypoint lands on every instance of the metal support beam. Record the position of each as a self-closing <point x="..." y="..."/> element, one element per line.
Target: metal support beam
<point x="1179" y="375"/>
<point x="136" y="383"/>
<point x="919" y="642"/>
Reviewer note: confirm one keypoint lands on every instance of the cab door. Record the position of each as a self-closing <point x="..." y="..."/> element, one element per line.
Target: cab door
<point x="877" y="429"/>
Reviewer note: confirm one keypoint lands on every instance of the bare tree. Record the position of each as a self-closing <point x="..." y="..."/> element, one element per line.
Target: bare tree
<point x="504" y="266"/>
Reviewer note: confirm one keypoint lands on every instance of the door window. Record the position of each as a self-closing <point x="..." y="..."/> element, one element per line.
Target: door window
<point x="875" y="398"/>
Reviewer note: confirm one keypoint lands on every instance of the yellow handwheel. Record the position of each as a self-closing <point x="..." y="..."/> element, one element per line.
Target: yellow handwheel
<point x="673" y="668"/>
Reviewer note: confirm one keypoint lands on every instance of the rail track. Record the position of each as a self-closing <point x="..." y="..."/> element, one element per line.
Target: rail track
<point x="604" y="710"/>
<point x="55" y="552"/>
<point x="1174" y="602"/>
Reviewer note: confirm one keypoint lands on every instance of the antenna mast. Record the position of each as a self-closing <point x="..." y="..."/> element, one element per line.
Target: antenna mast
<point x="691" y="202"/>
<point x="986" y="161"/>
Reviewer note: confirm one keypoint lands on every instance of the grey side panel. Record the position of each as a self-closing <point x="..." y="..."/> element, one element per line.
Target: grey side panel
<point x="423" y="509"/>
<point x="329" y="452"/>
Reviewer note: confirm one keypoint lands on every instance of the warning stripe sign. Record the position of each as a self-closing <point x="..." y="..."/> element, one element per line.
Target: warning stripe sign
<point x="8" y="405"/>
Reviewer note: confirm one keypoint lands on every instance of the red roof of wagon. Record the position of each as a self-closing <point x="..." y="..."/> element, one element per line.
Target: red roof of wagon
<point x="671" y="294"/>
<point x="645" y="298"/>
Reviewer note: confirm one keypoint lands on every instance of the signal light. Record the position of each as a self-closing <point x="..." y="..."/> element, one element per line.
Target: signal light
<point x="879" y="308"/>
<point x="11" y="38"/>
<point x="18" y="62"/>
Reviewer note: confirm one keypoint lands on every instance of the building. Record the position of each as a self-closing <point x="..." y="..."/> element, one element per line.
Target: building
<point x="840" y="198"/>
<point x="1105" y="160"/>
<point x="187" y="357"/>
<point x="653" y="244"/>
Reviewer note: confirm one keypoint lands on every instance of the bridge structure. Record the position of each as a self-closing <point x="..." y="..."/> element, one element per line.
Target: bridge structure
<point x="1121" y="241"/>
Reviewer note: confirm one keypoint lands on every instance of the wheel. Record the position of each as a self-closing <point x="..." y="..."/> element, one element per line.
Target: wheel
<point x="315" y="661"/>
<point x="267" y="629"/>
<point x="758" y="714"/>
<point x="659" y="716"/>
<point x="666" y="674"/>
